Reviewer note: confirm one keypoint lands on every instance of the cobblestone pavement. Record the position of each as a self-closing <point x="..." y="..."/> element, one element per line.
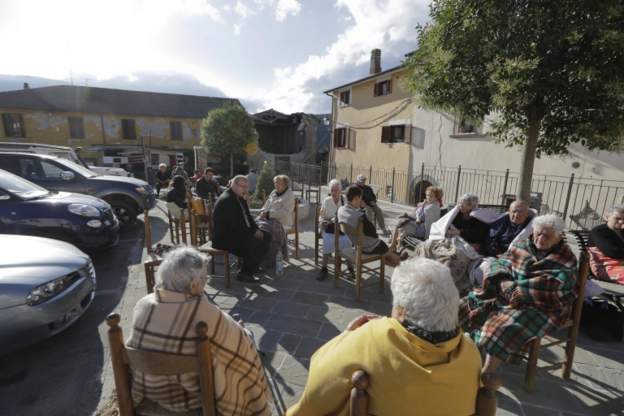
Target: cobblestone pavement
<point x="292" y="315"/>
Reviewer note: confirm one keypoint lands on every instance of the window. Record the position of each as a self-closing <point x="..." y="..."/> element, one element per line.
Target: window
<point x="345" y="98"/>
<point x="13" y="125"/>
<point x="396" y="134"/>
<point x="175" y="128"/>
<point x="128" y="129"/>
<point x="76" y="127"/>
<point x="344" y="138"/>
<point x="50" y="170"/>
<point x="383" y="88"/>
<point x="467" y="126"/>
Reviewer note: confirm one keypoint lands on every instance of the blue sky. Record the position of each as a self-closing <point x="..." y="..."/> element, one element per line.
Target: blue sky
<point x="269" y="53"/>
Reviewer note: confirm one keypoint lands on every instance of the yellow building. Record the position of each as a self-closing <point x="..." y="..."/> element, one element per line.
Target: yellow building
<point x="113" y="127"/>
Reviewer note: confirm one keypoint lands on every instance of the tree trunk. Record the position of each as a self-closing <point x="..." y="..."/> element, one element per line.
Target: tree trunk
<point x="231" y="165"/>
<point x="528" y="156"/>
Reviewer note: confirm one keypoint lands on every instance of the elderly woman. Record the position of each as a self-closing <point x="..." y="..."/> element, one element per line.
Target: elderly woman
<point x="176" y="197"/>
<point x="416" y="359"/>
<point x="425" y="214"/>
<point x="607" y="257"/>
<point x="162" y="178"/>
<point x="527" y="292"/>
<point x="164" y="321"/>
<point x="276" y="216"/>
<point x="327" y="216"/>
<point x="468" y="227"/>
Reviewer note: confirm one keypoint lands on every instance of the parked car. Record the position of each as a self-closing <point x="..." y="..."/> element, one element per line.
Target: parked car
<point x="26" y="208"/>
<point x="45" y="286"/>
<point x="63" y="152"/>
<point x="127" y="196"/>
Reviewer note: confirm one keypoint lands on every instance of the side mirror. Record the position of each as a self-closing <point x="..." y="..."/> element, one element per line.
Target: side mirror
<point x="67" y="175"/>
<point x="4" y="197"/>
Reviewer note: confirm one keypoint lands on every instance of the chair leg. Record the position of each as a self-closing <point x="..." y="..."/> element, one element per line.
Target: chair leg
<point x="297" y="244"/>
<point x="226" y="271"/>
<point x="531" y="371"/>
<point x="171" y="228"/>
<point x="382" y="275"/>
<point x="358" y="280"/>
<point x="316" y="249"/>
<point x="337" y="267"/>
<point x="569" y="352"/>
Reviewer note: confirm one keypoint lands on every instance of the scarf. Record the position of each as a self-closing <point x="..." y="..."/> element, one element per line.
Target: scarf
<point x="433" y="337"/>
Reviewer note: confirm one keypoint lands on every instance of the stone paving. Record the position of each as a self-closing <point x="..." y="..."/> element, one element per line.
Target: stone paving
<point x="292" y="315"/>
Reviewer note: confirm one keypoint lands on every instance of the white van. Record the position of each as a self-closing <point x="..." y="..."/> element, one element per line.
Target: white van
<point x="62" y="152"/>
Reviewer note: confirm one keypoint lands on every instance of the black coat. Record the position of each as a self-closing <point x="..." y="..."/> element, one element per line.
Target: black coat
<point x="204" y="188"/>
<point x="608" y="241"/>
<point x="231" y="232"/>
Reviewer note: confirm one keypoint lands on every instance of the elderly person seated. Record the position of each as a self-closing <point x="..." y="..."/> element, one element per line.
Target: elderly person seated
<point x="277" y="216"/>
<point x="507" y="228"/>
<point x="607" y="257"/>
<point x="351" y="214"/>
<point x="370" y="203"/>
<point x="176" y="197"/>
<point x="467" y="226"/>
<point x="236" y="231"/>
<point x="163" y="321"/>
<point x="425" y="214"/>
<point x="162" y="178"/>
<point x="416" y="359"/>
<point x="327" y="216"/>
<point x="206" y="187"/>
<point x="528" y="292"/>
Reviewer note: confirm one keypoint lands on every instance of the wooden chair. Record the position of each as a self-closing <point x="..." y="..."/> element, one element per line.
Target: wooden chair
<point x="572" y="325"/>
<point x="148" y="232"/>
<point x="125" y="359"/>
<point x="317" y="235"/>
<point x="486" y="404"/>
<point x="356" y="256"/>
<point x="178" y="219"/>
<point x="295" y="228"/>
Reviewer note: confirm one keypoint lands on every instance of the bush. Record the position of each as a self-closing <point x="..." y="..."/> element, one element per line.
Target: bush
<point x="264" y="186"/>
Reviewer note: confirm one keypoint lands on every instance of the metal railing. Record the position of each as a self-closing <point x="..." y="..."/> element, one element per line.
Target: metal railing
<point x="582" y="202"/>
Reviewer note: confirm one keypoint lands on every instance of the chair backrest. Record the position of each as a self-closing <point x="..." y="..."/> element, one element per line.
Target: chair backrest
<point x="486" y="403"/>
<point x="175" y="211"/>
<point x="296" y="213"/>
<point x="148" y="231"/>
<point x="125" y="359"/>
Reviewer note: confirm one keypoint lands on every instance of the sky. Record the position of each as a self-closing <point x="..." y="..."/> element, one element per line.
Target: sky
<point x="279" y="54"/>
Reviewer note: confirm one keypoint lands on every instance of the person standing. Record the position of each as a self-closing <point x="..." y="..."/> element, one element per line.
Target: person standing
<point x="207" y="187"/>
<point x="162" y="178"/>
<point x="369" y="198"/>
<point x="252" y="178"/>
<point x="236" y="231"/>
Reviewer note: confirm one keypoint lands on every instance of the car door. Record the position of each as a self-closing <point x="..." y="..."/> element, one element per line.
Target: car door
<point x="58" y="177"/>
<point x="10" y="213"/>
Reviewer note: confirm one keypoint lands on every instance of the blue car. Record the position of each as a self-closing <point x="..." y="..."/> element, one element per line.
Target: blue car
<point x="85" y="221"/>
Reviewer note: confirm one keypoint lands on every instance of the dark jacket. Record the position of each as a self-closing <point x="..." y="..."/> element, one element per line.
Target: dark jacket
<point x="608" y="241"/>
<point x="472" y="230"/>
<point x="177" y="193"/>
<point x="231" y="231"/>
<point x="502" y="233"/>
<point x="368" y="196"/>
<point x="205" y="188"/>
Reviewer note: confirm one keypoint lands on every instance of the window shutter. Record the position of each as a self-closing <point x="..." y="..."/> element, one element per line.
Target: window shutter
<point x="389" y="86"/>
<point x="376" y="90"/>
<point x="386" y="134"/>
<point x="407" y="133"/>
<point x="335" y="137"/>
<point x="351" y="141"/>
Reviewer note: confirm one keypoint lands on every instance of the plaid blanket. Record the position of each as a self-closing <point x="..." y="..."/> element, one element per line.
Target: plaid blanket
<point x="525" y="294"/>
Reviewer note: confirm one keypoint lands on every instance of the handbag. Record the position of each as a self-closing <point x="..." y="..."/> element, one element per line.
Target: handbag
<point x="602" y="318"/>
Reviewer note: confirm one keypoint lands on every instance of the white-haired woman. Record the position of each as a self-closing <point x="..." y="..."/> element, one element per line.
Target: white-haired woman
<point x="527" y="292"/>
<point x="162" y="178"/>
<point x="417" y="358"/>
<point x="165" y="320"/>
<point x="471" y="229"/>
<point x="277" y="216"/>
<point x="607" y="257"/>
<point x="327" y="216"/>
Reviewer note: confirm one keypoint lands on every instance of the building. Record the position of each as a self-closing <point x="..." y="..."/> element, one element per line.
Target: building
<point x="379" y="127"/>
<point x="130" y="129"/>
<point x="297" y="137"/>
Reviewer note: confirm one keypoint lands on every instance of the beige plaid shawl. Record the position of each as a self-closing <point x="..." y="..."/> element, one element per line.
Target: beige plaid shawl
<point x="164" y="321"/>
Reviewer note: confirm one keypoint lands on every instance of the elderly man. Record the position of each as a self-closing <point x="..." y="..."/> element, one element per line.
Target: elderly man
<point x="607" y="257"/>
<point x="528" y="292"/>
<point x="164" y="321"/>
<point x="162" y="178"/>
<point x="207" y="187"/>
<point x="236" y="231"/>
<point x="416" y="359"/>
<point x="369" y="198"/>
<point x="504" y="230"/>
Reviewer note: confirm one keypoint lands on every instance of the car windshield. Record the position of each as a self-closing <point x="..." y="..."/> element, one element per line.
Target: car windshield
<point x="77" y="168"/>
<point x="21" y="187"/>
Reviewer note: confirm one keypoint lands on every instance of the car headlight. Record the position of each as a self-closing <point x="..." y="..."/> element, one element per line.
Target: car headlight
<point x="48" y="290"/>
<point x="140" y="189"/>
<point x="94" y="223"/>
<point x="84" y="210"/>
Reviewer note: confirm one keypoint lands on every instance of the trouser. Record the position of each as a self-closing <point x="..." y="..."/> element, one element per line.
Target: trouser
<point x="378" y="215"/>
<point x="255" y="251"/>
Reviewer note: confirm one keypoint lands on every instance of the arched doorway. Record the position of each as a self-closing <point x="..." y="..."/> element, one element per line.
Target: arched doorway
<point x="418" y="191"/>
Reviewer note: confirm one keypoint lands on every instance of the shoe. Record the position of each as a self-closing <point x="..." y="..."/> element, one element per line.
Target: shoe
<point x="350" y="274"/>
<point x="244" y="277"/>
<point x="386" y="233"/>
<point x="322" y="275"/>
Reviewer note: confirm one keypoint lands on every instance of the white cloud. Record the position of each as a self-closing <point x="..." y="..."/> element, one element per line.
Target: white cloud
<point x="283" y="8"/>
<point x="242" y="9"/>
<point x="388" y="25"/>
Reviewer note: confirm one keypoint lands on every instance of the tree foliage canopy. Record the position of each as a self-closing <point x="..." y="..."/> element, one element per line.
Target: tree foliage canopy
<point x="226" y="131"/>
<point x="556" y="67"/>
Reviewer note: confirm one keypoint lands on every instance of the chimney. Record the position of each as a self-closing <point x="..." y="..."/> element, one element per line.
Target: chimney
<point x="26" y="86"/>
<point x="375" y="61"/>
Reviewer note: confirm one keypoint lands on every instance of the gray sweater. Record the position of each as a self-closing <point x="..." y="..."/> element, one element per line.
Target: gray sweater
<point x="350" y="215"/>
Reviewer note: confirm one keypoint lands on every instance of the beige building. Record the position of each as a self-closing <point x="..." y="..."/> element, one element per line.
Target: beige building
<point x="379" y="126"/>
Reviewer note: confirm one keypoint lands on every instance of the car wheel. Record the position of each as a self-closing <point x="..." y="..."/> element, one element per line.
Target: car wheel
<point x="125" y="212"/>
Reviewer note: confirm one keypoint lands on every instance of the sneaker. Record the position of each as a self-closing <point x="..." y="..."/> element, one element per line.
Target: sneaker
<point x="323" y="274"/>
<point x="350" y="274"/>
<point x="244" y="277"/>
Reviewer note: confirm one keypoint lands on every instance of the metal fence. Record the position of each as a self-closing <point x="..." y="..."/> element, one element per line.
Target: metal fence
<point x="582" y="202"/>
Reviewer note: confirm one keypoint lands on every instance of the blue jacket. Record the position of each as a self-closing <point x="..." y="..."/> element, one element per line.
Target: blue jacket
<point x="502" y="233"/>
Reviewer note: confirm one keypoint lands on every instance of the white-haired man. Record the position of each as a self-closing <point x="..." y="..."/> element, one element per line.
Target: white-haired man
<point x="416" y="359"/>
<point x="164" y="321"/>
<point x="236" y="231"/>
<point x="527" y="292"/>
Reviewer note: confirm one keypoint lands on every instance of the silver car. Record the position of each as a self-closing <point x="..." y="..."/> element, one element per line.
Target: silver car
<point x="45" y="286"/>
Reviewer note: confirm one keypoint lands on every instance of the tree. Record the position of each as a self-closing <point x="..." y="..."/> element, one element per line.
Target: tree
<point x="226" y="131"/>
<point x="265" y="182"/>
<point x="550" y="73"/>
